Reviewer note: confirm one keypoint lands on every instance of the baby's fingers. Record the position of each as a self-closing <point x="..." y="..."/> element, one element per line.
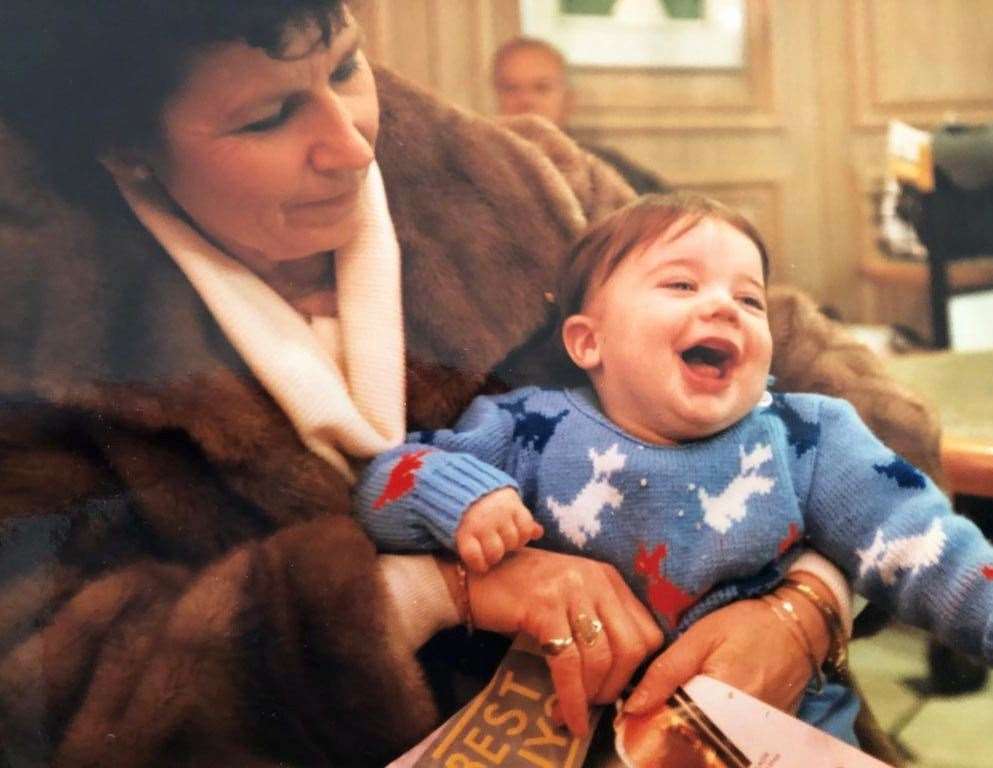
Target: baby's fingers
<point x="493" y="548"/>
<point x="527" y="528"/>
<point x="471" y="553"/>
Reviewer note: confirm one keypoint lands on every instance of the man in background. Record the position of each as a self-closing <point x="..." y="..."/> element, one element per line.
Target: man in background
<point x="530" y="77"/>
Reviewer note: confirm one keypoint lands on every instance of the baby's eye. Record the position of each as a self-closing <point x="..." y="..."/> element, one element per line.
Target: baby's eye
<point x="753" y="301"/>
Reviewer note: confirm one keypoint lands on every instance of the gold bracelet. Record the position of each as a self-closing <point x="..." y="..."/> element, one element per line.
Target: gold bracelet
<point x="775" y="603"/>
<point x="464" y="605"/>
<point x="837" y="658"/>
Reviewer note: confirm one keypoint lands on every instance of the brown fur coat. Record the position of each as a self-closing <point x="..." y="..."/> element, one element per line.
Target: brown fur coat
<point x="180" y="580"/>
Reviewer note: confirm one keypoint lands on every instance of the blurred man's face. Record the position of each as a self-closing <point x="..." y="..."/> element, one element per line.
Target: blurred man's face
<point x="531" y="81"/>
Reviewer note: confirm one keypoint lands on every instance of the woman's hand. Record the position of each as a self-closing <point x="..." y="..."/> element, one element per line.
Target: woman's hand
<point x="744" y="644"/>
<point x="549" y="596"/>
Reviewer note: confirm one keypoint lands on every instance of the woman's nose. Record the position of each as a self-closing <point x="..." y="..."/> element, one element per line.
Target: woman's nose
<point x="338" y="144"/>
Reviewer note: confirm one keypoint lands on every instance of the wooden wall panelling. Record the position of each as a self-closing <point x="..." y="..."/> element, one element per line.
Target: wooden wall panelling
<point x="805" y="117"/>
<point x="684" y="99"/>
<point x="444" y="45"/>
<point x="457" y="34"/>
<point x="728" y="133"/>
<point x="721" y="131"/>
<point x="797" y="49"/>
<point x="922" y="61"/>
<point x="397" y="36"/>
<point x="839" y="246"/>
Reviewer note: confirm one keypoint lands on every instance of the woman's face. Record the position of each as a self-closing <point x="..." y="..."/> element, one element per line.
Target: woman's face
<point x="267" y="155"/>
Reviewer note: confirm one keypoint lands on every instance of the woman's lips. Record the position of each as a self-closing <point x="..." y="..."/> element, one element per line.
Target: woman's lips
<point x="322" y="210"/>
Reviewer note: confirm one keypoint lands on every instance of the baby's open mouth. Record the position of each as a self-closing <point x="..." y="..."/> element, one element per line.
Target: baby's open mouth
<point x="710" y="359"/>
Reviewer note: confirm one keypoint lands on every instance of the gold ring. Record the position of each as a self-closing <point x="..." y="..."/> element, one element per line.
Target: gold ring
<point x="556" y="645"/>
<point x="587" y="627"/>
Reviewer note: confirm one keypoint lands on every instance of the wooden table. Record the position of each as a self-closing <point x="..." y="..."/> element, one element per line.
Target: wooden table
<point x="960" y="387"/>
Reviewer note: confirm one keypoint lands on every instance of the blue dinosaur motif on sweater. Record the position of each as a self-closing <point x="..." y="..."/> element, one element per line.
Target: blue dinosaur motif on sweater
<point x="425" y="436"/>
<point x="533" y="429"/>
<point x="802" y="435"/>
<point x="906" y="475"/>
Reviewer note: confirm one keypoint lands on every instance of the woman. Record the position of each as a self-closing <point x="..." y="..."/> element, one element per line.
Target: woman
<point x="189" y="380"/>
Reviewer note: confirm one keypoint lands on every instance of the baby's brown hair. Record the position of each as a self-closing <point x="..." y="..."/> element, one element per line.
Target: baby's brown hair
<point x="607" y="242"/>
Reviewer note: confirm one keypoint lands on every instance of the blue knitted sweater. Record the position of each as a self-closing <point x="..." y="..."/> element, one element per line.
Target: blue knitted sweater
<point x="695" y="526"/>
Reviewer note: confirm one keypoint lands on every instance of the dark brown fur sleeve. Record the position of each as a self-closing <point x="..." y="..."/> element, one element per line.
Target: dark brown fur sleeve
<point x="126" y="639"/>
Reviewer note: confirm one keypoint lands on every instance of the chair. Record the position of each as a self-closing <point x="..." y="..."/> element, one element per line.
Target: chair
<point x="956" y="226"/>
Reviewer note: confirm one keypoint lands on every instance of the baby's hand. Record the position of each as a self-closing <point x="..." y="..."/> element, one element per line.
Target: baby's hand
<point x="492" y="526"/>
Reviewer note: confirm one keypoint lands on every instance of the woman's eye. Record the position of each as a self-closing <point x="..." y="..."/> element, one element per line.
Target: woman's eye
<point x="679" y="285"/>
<point x="268" y="123"/>
<point x="346" y="69"/>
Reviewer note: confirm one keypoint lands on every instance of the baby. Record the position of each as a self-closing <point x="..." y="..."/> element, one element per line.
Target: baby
<point x="677" y="465"/>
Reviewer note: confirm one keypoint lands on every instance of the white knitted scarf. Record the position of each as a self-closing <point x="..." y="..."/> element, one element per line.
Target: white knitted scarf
<point x="340" y="380"/>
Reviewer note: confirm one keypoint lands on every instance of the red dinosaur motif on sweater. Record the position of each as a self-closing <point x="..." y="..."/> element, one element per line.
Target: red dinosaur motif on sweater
<point x="988" y="571"/>
<point x="665" y="597"/>
<point x="791" y="538"/>
<point x="402" y="478"/>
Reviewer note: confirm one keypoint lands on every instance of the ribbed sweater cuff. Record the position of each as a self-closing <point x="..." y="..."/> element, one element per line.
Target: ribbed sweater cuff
<point x="443" y="494"/>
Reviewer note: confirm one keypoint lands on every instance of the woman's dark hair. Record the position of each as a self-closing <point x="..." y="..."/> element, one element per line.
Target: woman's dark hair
<point x="80" y="78"/>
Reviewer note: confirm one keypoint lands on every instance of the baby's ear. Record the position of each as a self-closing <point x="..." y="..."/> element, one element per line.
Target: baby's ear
<point x="579" y="337"/>
<point x="126" y="164"/>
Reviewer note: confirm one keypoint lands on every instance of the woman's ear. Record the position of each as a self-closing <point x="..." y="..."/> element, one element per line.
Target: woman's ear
<point x="579" y="337"/>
